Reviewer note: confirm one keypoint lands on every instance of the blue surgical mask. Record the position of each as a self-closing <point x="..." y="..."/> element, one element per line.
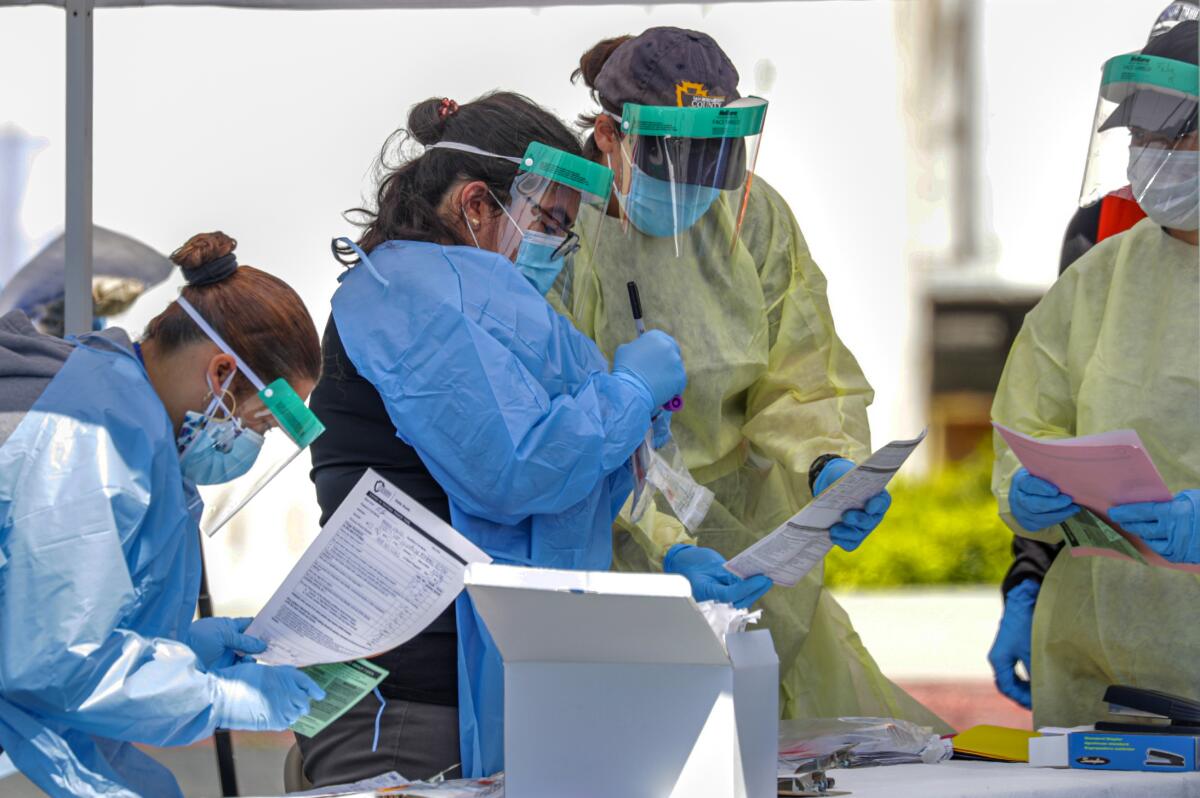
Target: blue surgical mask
<point x="214" y="450"/>
<point x="649" y="204"/>
<point x="535" y="259"/>
<point x="535" y="256"/>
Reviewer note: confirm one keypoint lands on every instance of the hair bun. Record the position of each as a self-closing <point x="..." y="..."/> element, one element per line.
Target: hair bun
<point x="591" y="62"/>
<point x="427" y="121"/>
<point x="206" y="258"/>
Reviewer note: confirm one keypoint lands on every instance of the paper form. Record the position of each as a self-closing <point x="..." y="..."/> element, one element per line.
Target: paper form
<point x="382" y="569"/>
<point x="795" y="548"/>
<point x="345" y="684"/>
<point x="1088" y="535"/>
<point x="1098" y="472"/>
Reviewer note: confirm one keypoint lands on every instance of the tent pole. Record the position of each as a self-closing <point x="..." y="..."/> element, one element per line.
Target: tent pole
<point x="222" y="740"/>
<point x="77" y="275"/>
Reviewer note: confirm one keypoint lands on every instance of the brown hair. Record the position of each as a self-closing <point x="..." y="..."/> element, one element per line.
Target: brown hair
<point x="257" y="314"/>
<point x="590" y="64"/>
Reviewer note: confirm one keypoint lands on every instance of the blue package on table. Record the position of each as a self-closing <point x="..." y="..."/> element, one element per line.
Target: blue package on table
<point x="1107" y="750"/>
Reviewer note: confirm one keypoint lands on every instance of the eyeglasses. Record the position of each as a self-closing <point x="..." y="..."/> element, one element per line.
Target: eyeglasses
<point x="552" y="225"/>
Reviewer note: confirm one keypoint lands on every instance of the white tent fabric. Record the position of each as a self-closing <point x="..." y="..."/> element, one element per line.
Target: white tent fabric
<point x="341" y="4"/>
<point x="79" y="18"/>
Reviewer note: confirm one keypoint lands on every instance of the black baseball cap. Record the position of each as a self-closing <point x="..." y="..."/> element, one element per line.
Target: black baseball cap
<point x="1159" y="112"/>
<point x="682" y="68"/>
<point x="668" y="66"/>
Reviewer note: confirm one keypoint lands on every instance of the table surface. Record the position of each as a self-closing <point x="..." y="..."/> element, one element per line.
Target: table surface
<point x="955" y="778"/>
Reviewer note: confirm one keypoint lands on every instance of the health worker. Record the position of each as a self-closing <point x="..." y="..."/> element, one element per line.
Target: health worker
<point x="103" y="442"/>
<point x="449" y="373"/>
<point x="1098" y="216"/>
<point x="775" y="409"/>
<point x="1115" y="344"/>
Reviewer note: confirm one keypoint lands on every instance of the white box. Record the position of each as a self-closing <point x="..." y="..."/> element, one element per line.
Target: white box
<point x="615" y="685"/>
<point x="1050" y="750"/>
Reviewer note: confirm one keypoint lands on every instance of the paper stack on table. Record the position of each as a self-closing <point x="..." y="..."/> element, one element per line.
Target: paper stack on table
<point x="795" y="548"/>
<point x="1098" y="472"/>
<point x="858" y="741"/>
<point x="382" y="569"/>
<point x="994" y="743"/>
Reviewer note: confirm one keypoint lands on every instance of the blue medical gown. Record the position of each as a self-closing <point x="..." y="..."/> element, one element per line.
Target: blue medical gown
<point x="514" y="413"/>
<point x="99" y="574"/>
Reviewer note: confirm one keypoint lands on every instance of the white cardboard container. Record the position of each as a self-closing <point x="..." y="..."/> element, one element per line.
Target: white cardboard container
<point x="615" y="685"/>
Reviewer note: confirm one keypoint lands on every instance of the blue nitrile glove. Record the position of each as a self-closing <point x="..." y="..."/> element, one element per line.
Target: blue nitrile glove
<point x="218" y="641"/>
<point x="258" y="697"/>
<point x="852" y="530"/>
<point x="1170" y="528"/>
<point x="1036" y="503"/>
<point x="705" y="570"/>
<point x="661" y="424"/>
<point x="653" y="362"/>
<point x="1014" y="639"/>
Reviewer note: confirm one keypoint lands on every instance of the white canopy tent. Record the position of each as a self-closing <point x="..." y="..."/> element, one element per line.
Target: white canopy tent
<point x="78" y="222"/>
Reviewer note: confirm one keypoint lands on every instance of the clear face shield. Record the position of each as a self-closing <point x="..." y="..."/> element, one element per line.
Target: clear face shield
<point x="233" y="454"/>
<point x="678" y="162"/>
<point x="546" y="196"/>
<point x="1144" y="139"/>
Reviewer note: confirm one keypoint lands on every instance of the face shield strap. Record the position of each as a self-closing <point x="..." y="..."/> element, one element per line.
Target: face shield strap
<point x="285" y="405"/>
<point x="471" y="149"/>
<point x="220" y="342"/>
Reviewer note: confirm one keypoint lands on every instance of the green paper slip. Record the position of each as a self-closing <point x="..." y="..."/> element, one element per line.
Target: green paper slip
<point x="1085" y="530"/>
<point x="345" y="684"/>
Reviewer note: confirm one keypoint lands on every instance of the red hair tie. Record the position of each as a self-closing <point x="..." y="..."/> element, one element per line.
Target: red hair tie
<point x="447" y="108"/>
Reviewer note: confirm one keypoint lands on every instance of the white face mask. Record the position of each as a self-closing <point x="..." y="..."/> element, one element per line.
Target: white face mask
<point x="1166" y="184"/>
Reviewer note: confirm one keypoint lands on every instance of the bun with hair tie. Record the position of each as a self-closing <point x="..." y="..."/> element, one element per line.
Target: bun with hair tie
<point x="207" y="258"/>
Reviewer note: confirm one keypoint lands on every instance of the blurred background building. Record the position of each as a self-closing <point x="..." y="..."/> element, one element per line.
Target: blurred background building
<point x="932" y="151"/>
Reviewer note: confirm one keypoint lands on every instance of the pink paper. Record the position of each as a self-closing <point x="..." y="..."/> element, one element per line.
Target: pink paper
<point x="1098" y="472"/>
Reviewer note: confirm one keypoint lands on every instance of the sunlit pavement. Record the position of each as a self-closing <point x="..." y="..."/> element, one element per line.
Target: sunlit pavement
<point x="934" y="643"/>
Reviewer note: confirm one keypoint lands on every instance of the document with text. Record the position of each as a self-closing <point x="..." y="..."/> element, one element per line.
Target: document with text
<point x="382" y="569"/>
<point x="791" y="551"/>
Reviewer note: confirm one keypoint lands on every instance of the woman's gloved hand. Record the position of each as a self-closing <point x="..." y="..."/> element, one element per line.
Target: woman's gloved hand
<point x="653" y="363"/>
<point x="257" y="697"/>
<point x="852" y="530"/>
<point x="661" y="424"/>
<point x="1036" y="503"/>
<point x="1170" y="528"/>
<point x="218" y="642"/>
<point x="1014" y="640"/>
<point x="705" y="570"/>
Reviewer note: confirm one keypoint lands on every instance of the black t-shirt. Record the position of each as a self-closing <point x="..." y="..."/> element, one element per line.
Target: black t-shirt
<point x="360" y="435"/>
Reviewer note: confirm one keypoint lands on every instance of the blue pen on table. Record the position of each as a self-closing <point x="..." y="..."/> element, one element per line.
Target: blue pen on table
<point x="635" y="304"/>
